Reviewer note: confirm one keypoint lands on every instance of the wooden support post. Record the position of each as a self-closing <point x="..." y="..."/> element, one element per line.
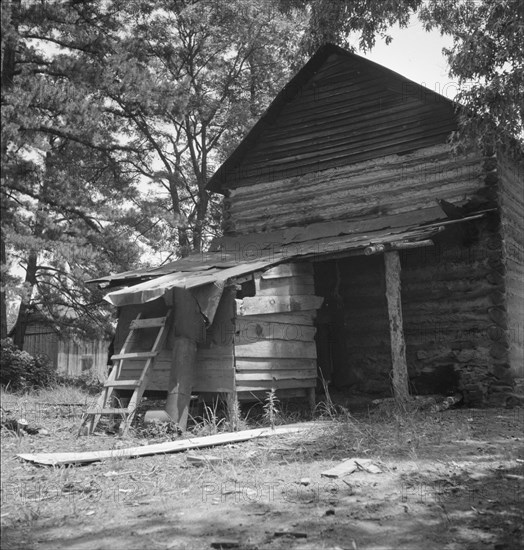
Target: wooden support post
<point x="187" y="330"/>
<point x="396" y="328"/>
<point x="233" y="410"/>
<point x="181" y="380"/>
<point x="312" y="401"/>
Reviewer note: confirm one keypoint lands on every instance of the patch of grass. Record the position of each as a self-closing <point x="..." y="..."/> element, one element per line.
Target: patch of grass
<point x="327" y="409"/>
<point x="212" y="420"/>
<point x="244" y="475"/>
<point x="159" y="429"/>
<point x="45" y="405"/>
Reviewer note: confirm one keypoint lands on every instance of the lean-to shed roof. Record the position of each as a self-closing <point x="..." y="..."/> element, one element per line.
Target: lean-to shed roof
<point x="234" y="257"/>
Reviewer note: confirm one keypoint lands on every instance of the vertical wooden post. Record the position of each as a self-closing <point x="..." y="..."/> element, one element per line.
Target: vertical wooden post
<point x="233" y="409"/>
<point x="312" y="402"/>
<point x="187" y="330"/>
<point x="396" y="328"/>
<point x="181" y="380"/>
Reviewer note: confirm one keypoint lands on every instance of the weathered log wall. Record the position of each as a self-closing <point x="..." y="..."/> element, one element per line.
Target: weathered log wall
<point x="274" y="334"/>
<point x="387" y="186"/>
<point x="452" y="301"/>
<point x="453" y="314"/>
<point x="511" y="199"/>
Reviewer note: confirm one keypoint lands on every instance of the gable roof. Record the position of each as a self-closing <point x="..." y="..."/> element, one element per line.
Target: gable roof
<point x="320" y="119"/>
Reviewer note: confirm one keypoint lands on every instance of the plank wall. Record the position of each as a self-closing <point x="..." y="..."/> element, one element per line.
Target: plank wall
<point x="382" y="187"/>
<point x="77" y="357"/>
<point x="215" y="363"/>
<point x="274" y="334"/>
<point x="347" y="112"/>
<point x="40" y="338"/>
<point x="71" y="356"/>
<point x="511" y="197"/>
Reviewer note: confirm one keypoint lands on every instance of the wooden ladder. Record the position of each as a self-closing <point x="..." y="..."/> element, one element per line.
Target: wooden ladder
<point x="92" y="417"/>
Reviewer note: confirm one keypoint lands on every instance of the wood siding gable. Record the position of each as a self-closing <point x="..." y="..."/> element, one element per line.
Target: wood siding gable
<point x="338" y="110"/>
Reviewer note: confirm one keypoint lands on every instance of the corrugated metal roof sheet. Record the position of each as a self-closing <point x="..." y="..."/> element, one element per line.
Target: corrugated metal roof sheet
<point x="158" y="287"/>
<point x="234" y="257"/>
<point x="242" y="256"/>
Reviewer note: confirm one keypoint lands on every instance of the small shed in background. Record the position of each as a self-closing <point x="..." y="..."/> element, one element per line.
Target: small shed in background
<point x="73" y="356"/>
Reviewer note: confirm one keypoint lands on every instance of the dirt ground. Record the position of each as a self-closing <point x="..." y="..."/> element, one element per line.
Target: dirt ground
<point x="450" y="480"/>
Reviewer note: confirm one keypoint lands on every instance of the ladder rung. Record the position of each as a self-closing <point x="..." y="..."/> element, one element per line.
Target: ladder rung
<point x="122" y="383"/>
<point x="108" y="411"/>
<point x="148" y="323"/>
<point x="135" y="355"/>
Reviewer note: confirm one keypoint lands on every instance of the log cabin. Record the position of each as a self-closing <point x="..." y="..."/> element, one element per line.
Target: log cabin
<point x="359" y="251"/>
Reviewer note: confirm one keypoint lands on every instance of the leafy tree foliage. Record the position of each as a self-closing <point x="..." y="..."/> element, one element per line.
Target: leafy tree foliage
<point x="216" y="64"/>
<point x="337" y="22"/>
<point x="487" y="59"/>
<point x="100" y="96"/>
<point x="22" y="371"/>
<point x="63" y="180"/>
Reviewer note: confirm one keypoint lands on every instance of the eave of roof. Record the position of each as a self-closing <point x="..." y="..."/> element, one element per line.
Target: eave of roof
<point x="234" y="258"/>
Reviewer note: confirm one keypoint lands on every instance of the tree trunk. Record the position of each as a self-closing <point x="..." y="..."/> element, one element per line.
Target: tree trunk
<point x="29" y="284"/>
<point x="198" y="232"/>
<point x="32" y="265"/>
<point x="203" y="198"/>
<point x="253" y="76"/>
<point x="3" y="300"/>
<point x="183" y="241"/>
<point x="8" y="73"/>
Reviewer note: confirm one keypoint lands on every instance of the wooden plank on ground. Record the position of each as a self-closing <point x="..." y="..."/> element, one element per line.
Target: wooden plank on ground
<point x="352" y="465"/>
<point x="56" y="459"/>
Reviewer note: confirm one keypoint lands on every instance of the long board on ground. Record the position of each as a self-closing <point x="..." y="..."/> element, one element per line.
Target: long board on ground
<point x="57" y="459"/>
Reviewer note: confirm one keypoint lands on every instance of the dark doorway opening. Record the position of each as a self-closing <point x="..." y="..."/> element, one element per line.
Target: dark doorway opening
<point x="353" y="342"/>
